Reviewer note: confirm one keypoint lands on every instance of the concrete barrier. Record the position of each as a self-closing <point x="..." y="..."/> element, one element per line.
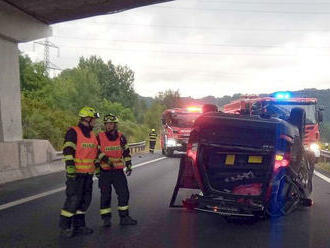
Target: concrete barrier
<point x="30" y="158"/>
<point x="26" y="158"/>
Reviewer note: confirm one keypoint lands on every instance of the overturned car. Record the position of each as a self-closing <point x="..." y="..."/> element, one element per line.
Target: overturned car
<point x="246" y="165"/>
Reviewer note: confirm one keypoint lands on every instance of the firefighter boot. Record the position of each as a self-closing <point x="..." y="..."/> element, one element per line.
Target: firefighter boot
<point x="107" y="221"/>
<point x="79" y="225"/>
<point x="127" y="220"/>
<point x="65" y="225"/>
<point x="67" y="233"/>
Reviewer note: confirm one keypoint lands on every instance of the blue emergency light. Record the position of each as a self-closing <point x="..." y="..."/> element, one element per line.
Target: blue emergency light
<point x="282" y="95"/>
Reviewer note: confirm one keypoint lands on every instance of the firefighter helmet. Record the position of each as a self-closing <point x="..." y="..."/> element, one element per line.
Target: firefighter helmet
<point x="88" y="112"/>
<point x="110" y="118"/>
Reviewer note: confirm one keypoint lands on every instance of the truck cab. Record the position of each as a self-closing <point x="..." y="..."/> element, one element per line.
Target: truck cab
<point x="176" y="127"/>
<point x="280" y="105"/>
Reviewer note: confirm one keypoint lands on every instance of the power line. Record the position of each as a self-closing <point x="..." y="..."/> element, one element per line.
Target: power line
<point x="192" y="53"/>
<point x="212" y="28"/>
<point x="245" y="11"/>
<point x="185" y="44"/>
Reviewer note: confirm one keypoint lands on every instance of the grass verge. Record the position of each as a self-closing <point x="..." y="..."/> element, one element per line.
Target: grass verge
<point x="324" y="166"/>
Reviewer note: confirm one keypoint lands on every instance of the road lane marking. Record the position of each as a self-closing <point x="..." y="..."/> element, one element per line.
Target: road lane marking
<point x="53" y="191"/>
<point x="325" y="178"/>
<point x="148" y="162"/>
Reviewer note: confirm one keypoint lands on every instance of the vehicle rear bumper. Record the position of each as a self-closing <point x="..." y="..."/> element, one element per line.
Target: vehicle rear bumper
<point x="228" y="207"/>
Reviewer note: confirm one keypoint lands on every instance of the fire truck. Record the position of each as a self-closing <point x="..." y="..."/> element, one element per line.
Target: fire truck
<point x="176" y="127"/>
<point x="280" y="104"/>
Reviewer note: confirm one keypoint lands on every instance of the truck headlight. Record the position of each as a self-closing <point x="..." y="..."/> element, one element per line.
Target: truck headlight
<point x="171" y="142"/>
<point x="315" y="148"/>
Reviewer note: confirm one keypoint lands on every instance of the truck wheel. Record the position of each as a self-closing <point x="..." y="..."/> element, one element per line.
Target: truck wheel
<point x="298" y="119"/>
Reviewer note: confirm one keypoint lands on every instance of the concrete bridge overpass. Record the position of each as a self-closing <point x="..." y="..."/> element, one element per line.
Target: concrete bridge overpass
<point x="23" y="21"/>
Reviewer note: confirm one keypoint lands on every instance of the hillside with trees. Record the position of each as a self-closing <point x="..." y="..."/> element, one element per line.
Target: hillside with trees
<point x="51" y="105"/>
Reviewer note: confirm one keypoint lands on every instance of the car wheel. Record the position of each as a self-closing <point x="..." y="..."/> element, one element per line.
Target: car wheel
<point x="285" y="200"/>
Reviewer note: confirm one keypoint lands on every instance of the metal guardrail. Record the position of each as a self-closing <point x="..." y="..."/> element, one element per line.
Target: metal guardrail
<point x="134" y="147"/>
<point x="137" y="147"/>
<point x="325" y="155"/>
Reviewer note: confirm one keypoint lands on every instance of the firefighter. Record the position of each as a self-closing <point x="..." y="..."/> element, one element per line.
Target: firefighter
<point x="114" y="156"/>
<point x="152" y="140"/>
<point x="80" y="151"/>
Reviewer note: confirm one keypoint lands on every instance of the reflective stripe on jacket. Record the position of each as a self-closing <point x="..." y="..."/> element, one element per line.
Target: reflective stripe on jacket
<point x="152" y="136"/>
<point x="113" y="150"/>
<point x="86" y="152"/>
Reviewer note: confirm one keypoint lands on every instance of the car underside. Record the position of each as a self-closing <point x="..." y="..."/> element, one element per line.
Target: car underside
<point x="246" y="165"/>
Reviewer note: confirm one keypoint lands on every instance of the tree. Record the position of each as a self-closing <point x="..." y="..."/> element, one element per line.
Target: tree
<point x="76" y="88"/>
<point x="33" y="76"/>
<point x="169" y="98"/>
<point x="153" y="116"/>
<point x="117" y="82"/>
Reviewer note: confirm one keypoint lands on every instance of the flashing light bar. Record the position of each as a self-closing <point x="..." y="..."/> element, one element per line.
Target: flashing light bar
<point x="194" y="109"/>
<point x="282" y="95"/>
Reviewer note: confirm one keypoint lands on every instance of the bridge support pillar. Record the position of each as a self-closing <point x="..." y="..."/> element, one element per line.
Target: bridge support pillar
<point x="16" y="26"/>
<point x="10" y="95"/>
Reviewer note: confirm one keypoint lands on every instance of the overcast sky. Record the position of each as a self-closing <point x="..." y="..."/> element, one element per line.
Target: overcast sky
<point x="206" y="47"/>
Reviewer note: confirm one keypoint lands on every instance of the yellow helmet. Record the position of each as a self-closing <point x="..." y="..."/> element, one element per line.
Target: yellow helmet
<point x="153" y="130"/>
<point x="88" y="112"/>
<point x="110" y="118"/>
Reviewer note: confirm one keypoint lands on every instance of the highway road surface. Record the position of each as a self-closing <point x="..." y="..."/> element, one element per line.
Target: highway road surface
<point x="29" y="213"/>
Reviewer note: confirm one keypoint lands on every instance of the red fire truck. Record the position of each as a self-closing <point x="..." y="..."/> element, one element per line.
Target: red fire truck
<point x="176" y="127"/>
<point x="282" y="103"/>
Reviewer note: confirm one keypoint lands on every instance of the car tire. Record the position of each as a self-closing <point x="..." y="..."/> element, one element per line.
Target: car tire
<point x="280" y="203"/>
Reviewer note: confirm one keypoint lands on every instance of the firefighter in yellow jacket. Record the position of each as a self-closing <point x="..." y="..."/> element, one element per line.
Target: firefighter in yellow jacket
<point x="114" y="156"/>
<point x="80" y="153"/>
<point x="152" y="140"/>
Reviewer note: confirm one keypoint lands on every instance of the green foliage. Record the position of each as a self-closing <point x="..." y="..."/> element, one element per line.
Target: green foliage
<point x="107" y="107"/>
<point x="133" y="131"/>
<point x="50" y="106"/>
<point x="75" y="89"/>
<point x="42" y="122"/>
<point x="324" y="166"/>
<point x="116" y="81"/>
<point x="169" y="98"/>
<point x="33" y="76"/>
<point x="325" y="132"/>
<point x="153" y="115"/>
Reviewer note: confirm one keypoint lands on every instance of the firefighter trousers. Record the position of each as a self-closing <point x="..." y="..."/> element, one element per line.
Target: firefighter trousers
<point x="117" y="179"/>
<point x="152" y="144"/>
<point x="78" y="198"/>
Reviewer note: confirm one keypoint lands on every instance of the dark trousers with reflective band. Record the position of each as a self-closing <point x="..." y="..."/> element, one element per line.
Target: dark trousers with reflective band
<point x="78" y="198"/>
<point x="117" y="179"/>
<point x="152" y="144"/>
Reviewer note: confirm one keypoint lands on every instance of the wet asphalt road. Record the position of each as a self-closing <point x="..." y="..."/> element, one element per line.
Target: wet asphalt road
<point x="34" y="224"/>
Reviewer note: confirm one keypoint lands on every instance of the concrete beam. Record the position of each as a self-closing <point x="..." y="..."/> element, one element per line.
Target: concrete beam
<point x="17" y="26"/>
